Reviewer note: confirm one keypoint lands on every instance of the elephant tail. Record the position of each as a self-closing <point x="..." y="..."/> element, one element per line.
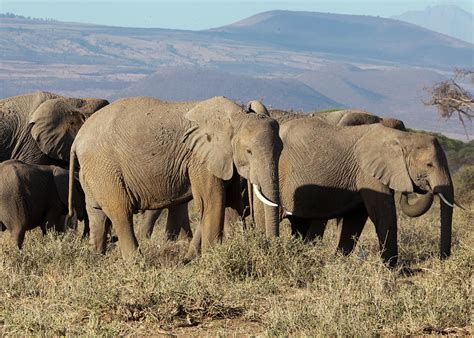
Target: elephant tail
<point x="72" y="160"/>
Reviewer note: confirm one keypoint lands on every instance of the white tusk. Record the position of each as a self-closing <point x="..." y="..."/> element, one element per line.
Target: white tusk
<point x="460" y="206"/>
<point x="262" y="198"/>
<point x="444" y="200"/>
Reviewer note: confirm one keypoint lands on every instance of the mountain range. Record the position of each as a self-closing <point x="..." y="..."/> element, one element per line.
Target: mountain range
<point x="292" y="60"/>
<point x="447" y="19"/>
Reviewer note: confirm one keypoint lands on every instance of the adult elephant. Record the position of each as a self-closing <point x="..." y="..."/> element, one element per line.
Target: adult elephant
<point x="141" y="153"/>
<point x="309" y="229"/>
<point x="328" y="172"/>
<point x="356" y="117"/>
<point x="39" y="128"/>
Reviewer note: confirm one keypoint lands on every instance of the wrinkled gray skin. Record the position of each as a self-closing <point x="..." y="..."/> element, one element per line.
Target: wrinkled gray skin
<point x="353" y="117"/>
<point x="142" y="154"/>
<point x="34" y="195"/>
<point x="315" y="228"/>
<point x="177" y="223"/>
<point x="39" y="128"/>
<point x="355" y="179"/>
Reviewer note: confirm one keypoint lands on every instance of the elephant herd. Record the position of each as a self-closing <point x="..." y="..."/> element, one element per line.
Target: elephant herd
<point x="141" y="154"/>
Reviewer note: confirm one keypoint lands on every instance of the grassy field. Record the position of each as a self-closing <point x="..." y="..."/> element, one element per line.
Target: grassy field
<point x="56" y="286"/>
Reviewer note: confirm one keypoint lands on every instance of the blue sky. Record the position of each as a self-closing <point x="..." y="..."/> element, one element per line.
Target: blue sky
<point x="199" y="14"/>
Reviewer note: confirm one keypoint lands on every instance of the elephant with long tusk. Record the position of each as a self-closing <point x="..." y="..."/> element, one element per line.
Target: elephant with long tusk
<point x="328" y="171"/>
<point x="142" y="153"/>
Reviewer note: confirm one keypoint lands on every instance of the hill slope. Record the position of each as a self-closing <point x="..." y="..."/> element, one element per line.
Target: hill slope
<point x="197" y="84"/>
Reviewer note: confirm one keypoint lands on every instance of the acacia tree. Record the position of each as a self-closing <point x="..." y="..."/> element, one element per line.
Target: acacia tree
<point x="452" y="99"/>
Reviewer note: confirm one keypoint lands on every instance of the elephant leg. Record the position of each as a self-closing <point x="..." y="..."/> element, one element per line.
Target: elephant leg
<point x="298" y="226"/>
<point x="18" y="235"/>
<point x="316" y="229"/>
<point x="308" y="229"/>
<point x="99" y="228"/>
<point x="209" y="198"/>
<point x="86" y="231"/>
<point x="148" y="223"/>
<point x="43" y="229"/>
<point x="54" y="219"/>
<point x="122" y="221"/>
<point x="234" y="211"/>
<point x="178" y="222"/>
<point x="381" y="209"/>
<point x="351" y="229"/>
<point x="194" y="245"/>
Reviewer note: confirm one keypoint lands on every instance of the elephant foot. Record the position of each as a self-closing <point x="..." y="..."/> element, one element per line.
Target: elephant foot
<point x="191" y="254"/>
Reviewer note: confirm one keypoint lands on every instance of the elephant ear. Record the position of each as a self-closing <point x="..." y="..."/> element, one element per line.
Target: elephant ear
<point x="210" y="136"/>
<point x="256" y="107"/>
<point x="55" y="123"/>
<point x="380" y="155"/>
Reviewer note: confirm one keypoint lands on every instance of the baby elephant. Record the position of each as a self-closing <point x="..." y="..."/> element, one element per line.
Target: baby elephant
<point x="34" y="195"/>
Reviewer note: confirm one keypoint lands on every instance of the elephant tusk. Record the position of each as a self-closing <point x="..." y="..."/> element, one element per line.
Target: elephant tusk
<point x="460" y="206"/>
<point x="262" y="198"/>
<point x="445" y="200"/>
<point x="266" y="201"/>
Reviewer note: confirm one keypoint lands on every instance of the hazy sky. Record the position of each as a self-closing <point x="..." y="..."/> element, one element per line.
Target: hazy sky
<point x="199" y="14"/>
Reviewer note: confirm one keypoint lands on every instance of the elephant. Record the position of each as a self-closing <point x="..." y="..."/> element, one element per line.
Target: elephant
<point x="355" y="117"/>
<point x="39" y="128"/>
<point x="329" y="171"/>
<point x="343" y="118"/>
<point x="34" y="195"/>
<point x="352" y="117"/>
<point x="141" y="153"/>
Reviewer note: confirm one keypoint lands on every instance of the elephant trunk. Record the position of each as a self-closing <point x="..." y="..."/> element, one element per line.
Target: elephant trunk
<point x="272" y="214"/>
<point x="446" y="216"/>
<point x="269" y="184"/>
<point x="422" y="205"/>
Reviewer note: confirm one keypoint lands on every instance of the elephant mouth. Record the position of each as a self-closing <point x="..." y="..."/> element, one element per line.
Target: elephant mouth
<point x="423" y="187"/>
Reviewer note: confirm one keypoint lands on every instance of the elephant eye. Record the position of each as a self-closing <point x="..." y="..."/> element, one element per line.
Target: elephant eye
<point x="249" y="151"/>
<point x="430" y="164"/>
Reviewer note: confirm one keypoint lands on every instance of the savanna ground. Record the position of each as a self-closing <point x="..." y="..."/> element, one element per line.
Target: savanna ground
<point x="248" y="285"/>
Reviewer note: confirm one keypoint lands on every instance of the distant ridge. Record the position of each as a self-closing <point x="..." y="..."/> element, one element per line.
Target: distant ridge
<point x="197" y="84"/>
<point x="362" y="37"/>
<point x="291" y="60"/>
<point x="447" y="19"/>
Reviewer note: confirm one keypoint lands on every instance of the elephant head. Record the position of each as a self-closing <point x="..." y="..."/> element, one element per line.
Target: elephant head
<point x="226" y="135"/>
<point x="56" y="120"/>
<point x="410" y="162"/>
<point x="393" y="123"/>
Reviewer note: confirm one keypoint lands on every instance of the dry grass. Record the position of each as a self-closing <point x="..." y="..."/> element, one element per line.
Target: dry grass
<point x="56" y="286"/>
